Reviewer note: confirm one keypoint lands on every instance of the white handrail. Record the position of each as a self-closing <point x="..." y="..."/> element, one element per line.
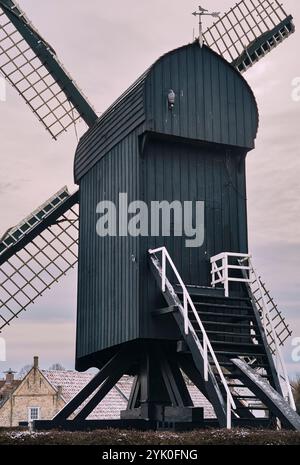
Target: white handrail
<point x="188" y="327"/>
<point x="278" y="352"/>
<point x="220" y="273"/>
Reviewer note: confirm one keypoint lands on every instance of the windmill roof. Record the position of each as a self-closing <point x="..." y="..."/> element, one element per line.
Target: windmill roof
<point x="142" y="105"/>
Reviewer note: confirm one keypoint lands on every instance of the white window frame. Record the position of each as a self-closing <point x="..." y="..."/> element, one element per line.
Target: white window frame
<point x="29" y="413"/>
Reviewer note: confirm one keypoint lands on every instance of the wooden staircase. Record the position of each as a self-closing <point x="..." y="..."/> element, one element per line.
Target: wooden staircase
<point x="235" y="331"/>
<point x="224" y="350"/>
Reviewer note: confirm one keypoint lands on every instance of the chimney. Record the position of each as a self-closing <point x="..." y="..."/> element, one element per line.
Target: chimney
<point x="35" y="362"/>
<point x="9" y="378"/>
<point x="59" y="391"/>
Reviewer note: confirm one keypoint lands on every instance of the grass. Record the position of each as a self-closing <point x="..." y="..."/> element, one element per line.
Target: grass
<point x="121" y="437"/>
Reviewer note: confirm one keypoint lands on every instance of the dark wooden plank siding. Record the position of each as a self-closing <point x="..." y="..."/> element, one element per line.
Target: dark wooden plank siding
<point x="108" y="312"/>
<point x="181" y="171"/>
<point x="114" y="125"/>
<point x="195" y="152"/>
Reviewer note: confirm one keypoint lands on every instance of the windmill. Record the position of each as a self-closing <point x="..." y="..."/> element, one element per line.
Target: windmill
<point x="222" y="328"/>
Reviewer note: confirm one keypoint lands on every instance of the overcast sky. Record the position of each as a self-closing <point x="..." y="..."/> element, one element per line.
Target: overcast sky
<point x="106" y="46"/>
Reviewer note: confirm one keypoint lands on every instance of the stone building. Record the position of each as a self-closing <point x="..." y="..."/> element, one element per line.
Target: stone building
<point x="42" y="393"/>
<point x="32" y="398"/>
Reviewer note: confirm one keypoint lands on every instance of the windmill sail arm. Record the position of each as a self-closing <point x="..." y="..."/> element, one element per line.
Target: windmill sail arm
<point x="248" y="31"/>
<point x="37" y="253"/>
<point x="12" y="8"/>
<point x="18" y="237"/>
<point x="49" y="58"/>
<point x="264" y="44"/>
<point x="60" y="103"/>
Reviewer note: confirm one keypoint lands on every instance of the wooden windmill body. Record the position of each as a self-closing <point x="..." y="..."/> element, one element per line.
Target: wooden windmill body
<point x="148" y="305"/>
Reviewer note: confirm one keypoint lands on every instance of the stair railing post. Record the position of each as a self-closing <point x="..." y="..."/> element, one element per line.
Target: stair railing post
<point x="225" y="275"/>
<point x="228" y="409"/>
<point x="185" y="309"/>
<point x="164" y="265"/>
<point x="213" y="275"/>
<point x="205" y="357"/>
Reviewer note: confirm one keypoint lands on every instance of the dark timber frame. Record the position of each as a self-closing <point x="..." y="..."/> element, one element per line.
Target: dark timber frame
<point x="159" y="394"/>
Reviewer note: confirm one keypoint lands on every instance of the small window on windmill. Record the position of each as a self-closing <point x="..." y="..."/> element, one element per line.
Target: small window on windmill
<point x="33" y="413"/>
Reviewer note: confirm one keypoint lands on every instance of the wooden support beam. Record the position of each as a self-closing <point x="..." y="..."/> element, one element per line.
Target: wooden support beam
<point x="116" y="361"/>
<point x="134" y="394"/>
<point x="175" y="384"/>
<point x="165" y="310"/>
<point x="100" y="394"/>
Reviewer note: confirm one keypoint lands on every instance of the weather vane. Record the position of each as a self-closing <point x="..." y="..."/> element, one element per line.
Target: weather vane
<point x="200" y="13"/>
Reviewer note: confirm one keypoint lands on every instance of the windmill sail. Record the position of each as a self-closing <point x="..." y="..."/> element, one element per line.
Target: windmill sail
<point x="36" y="253"/>
<point x="248" y="31"/>
<point x="31" y="65"/>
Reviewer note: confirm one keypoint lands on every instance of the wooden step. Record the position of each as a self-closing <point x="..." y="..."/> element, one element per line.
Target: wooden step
<point x="240" y="345"/>
<point x="210" y="292"/>
<point x="225" y="306"/>
<point x="239" y="353"/>
<point x="236" y="376"/>
<point x="232" y="334"/>
<point x="226" y="315"/>
<point x="222" y="323"/>
<point x="230" y="364"/>
<point x="259" y="408"/>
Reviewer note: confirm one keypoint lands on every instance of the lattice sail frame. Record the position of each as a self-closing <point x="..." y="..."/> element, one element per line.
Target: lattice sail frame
<point x="279" y="323"/>
<point x="50" y="250"/>
<point x="33" y="69"/>
<point x="269" y="312"/>
<point x="248" y="31"/>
